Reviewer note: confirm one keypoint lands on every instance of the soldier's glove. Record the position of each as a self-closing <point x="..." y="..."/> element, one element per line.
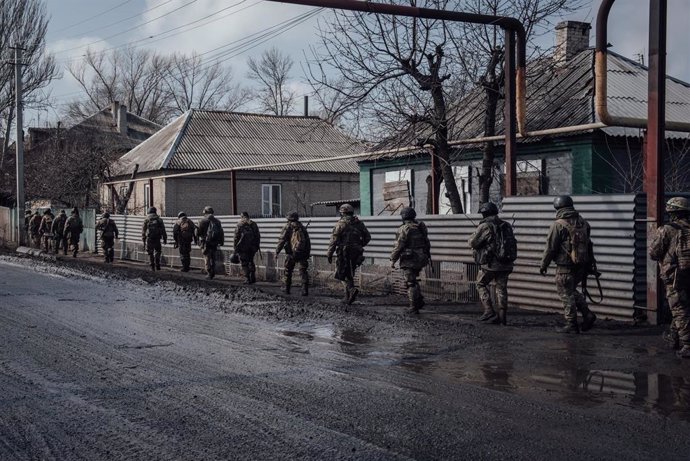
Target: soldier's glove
<point x="543" y="270"/>
<point x="330" y="259"/>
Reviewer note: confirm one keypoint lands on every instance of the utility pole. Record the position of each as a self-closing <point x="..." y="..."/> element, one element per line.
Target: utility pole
<point x="19" y="143"/>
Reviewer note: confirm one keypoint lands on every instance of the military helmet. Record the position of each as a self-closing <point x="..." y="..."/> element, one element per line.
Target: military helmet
<point x="677" y="204"/>
<point x="244" y="214"/>
<point x="106" y="215"/>
<point x="208" y="209"/>
<point x="62" y="212"/>
<point x="152" y="210"/>
<point x="47" y="211"/>
<point x="488" y="209"/>
<point x="408" y="213"/>
<point x="563" y="201"/>
<point x="346" y="208"/>
<point x="181" y="214"/>
<point x="27" y="212"/>
<point x="293" y="216"/>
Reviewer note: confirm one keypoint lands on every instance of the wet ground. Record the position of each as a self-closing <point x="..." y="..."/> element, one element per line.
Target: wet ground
<point x="116" y="363"/>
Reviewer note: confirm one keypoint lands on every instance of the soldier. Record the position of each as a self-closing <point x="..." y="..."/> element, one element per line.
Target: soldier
<point x="413" y="249"/>
<point x="569" y="246"/>
<point x="34" y="226"/>
<point x="73" y="229"/>
<point x="671" y="248"/>
<point x="247" y="243"/>
<point x="45" y="229"/>
<point x="27" y="220"/>
<point x="348" y="239"/>
<point x="492" y="234"/>
<point x="184" y="232"/>
<point x="210" y="237"/>
<point x="152" y="232"/>
<point x="109" y="233"/>
<point x="295" y="239"/>
<point x="59" y="232"/>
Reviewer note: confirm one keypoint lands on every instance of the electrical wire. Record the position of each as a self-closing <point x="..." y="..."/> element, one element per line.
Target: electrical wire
<point x="94" y="16"/>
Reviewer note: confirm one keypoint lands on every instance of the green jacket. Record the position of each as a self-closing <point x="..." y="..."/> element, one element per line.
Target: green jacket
<point x="484" y="239"/>
<point x="557" y="242"/>
<point x="659" y="249"/>
<point x="348" y="232"/>
<point x="412" y="246"/>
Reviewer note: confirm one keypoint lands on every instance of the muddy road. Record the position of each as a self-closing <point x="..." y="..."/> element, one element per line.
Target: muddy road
<point x="97" y="365"/>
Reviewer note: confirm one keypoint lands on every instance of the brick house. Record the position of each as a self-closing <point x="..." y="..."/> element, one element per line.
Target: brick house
<point x="297" y="153"/>
<point x="560" y="93"/>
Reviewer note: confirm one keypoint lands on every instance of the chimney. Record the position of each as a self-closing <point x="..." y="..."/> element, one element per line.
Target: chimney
<point x="306" y="106"/>
<point x="571" y="38"/>
<point x="122" y="120"/>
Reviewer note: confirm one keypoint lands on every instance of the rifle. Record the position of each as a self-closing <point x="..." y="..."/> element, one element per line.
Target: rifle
<point x="592" y="270"/>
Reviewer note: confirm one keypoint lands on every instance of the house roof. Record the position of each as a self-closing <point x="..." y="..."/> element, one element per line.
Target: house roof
<point x="138" y="128"/>
<point x="209" y="140"/>
<point x="565" y="98"/>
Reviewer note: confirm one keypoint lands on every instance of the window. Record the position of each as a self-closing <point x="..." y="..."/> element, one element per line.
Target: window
<point x="271" y="203"/>
<point x="398" y="175"/>
<point x="147" y="196"/>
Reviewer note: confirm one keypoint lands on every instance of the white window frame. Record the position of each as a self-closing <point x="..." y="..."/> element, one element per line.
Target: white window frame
<point x="398" y="175"/>
<point x="267" y="204"/>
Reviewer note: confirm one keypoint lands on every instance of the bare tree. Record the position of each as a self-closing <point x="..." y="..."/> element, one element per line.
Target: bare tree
<point x="193" y="85"/>
<point x="272" y="74"/>
<point x="22" y="23"/>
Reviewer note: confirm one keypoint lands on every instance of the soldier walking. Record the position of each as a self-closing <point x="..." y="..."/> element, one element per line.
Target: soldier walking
<point x="109" y="233"/>
<point x="671" y="248"/>
<point x="184" y="232"/>
<point x="73" y="229"/>
<point x="495" y="250"/>
<point x="27" y="220"/>
<point x="348" y="239"/>
<point x="413" y="249"/>
<point x="570" y="247"/>
<point x="152" y="232"/>
<point x="246" y="243"/>
<point x="211" y="236"/>
<point x="34" y="226"/>
<point x="58" y="231"/>
<point x="45" y="229"/>
<point x="295" y="239"/>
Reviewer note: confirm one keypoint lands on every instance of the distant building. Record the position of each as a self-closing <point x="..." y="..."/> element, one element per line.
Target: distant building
<point x="560" y="93"/>
<point x="202" y="141"/>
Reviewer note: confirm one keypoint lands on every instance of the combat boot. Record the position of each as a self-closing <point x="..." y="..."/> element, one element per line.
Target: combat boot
<point x="353" y="295"/>
<point x="684" y="353"/>
<point x="671" y="337"/>
<point x="305" y="289"/>
<point x="502" y="316"/>
<point x="247" y="276"/>
<point x="288" y="285"/>
<point x="488" y="316"/>
<point x="346" y="300"/>
<point x="588" y="321"/>
<point x="569" y="328"/>
<point x="252" y="276"/>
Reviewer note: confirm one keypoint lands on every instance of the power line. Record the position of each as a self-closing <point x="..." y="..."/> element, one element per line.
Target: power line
<point x="94" y="16"/>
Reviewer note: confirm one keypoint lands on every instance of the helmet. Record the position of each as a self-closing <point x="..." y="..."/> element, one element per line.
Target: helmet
<point x="181" y="214"/>
<point x="235" y="258"/>
<point x="562" y="201"/>
<point x="106" y="215"/>
<point x="27" y="212"/>
<point x="488" y="209"/>
<point x="346" y="208"/>
<point x="47" y="211"/>
<point x="152" y="210"/>
<point x="208" y="209"/>
<point x="293" y="216"/>
<point x="408" y="213"/>
<point x="62" y="212"/>
<point x="677" y="204"/>
<point x="244" y="214"/>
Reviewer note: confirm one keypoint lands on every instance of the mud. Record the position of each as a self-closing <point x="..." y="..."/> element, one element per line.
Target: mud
<point x="118" y="363"/>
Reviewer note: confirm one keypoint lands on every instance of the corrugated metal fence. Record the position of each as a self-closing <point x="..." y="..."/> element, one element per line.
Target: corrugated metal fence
<point x="452" y="274"/>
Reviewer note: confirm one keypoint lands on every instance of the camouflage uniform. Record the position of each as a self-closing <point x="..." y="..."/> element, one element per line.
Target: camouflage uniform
<point x="677" y="283"/>
<point x="73" y="229"/>
<point x="109" y="233"/>
<point x="184" y="233"/>
<point x="58" y="231"/>
<point x="569" y="275"/>
<point x="295" y="256"/>
<point x="246" y="243"/>
<point x="483" y="240"/>
<point x="45" y="230"/>
<point x="412" y="248"/>
<point x="348" y="239"/>
<point x="209" y="249"/>
<point x="152" y="240"/>
<point x="34" y="226"/>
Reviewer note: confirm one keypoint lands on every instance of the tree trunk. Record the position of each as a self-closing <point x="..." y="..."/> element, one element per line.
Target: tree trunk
<point x="442" y="150"/>
<point x="491" y="86"/>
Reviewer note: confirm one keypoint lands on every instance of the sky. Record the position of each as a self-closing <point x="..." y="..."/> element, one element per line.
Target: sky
<point x="103" y="24"/>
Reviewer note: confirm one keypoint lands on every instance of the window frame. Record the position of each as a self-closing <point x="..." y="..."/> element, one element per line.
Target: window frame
<point x="270" y="202"/>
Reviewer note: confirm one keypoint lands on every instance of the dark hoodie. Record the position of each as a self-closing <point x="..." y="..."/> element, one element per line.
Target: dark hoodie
<point x="557" y="241"/>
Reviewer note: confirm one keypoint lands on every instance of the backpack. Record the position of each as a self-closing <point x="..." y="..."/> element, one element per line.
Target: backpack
<point x="505" y="250"/>
<point x="299" y="241"/>
<point x="186" y="230"/>
<point x="155" y="228"/>
<point x="578" y="241"/>
<point x="680" y="246"/>
<point x="107" y="230"/>
<point x="48" y="224"/>
<point x="214" y="235"/>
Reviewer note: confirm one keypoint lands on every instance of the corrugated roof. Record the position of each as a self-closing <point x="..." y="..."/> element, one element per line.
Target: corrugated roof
<point x="208" y="140"/>
<point x="564" y="98"/>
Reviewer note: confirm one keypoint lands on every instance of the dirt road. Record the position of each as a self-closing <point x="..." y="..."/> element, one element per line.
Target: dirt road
<point x="98" y="366"/>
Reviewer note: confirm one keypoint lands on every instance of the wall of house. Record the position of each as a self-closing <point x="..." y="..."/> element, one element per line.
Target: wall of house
<point x="193" y="193"/>
<point x="137" y="202"/>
